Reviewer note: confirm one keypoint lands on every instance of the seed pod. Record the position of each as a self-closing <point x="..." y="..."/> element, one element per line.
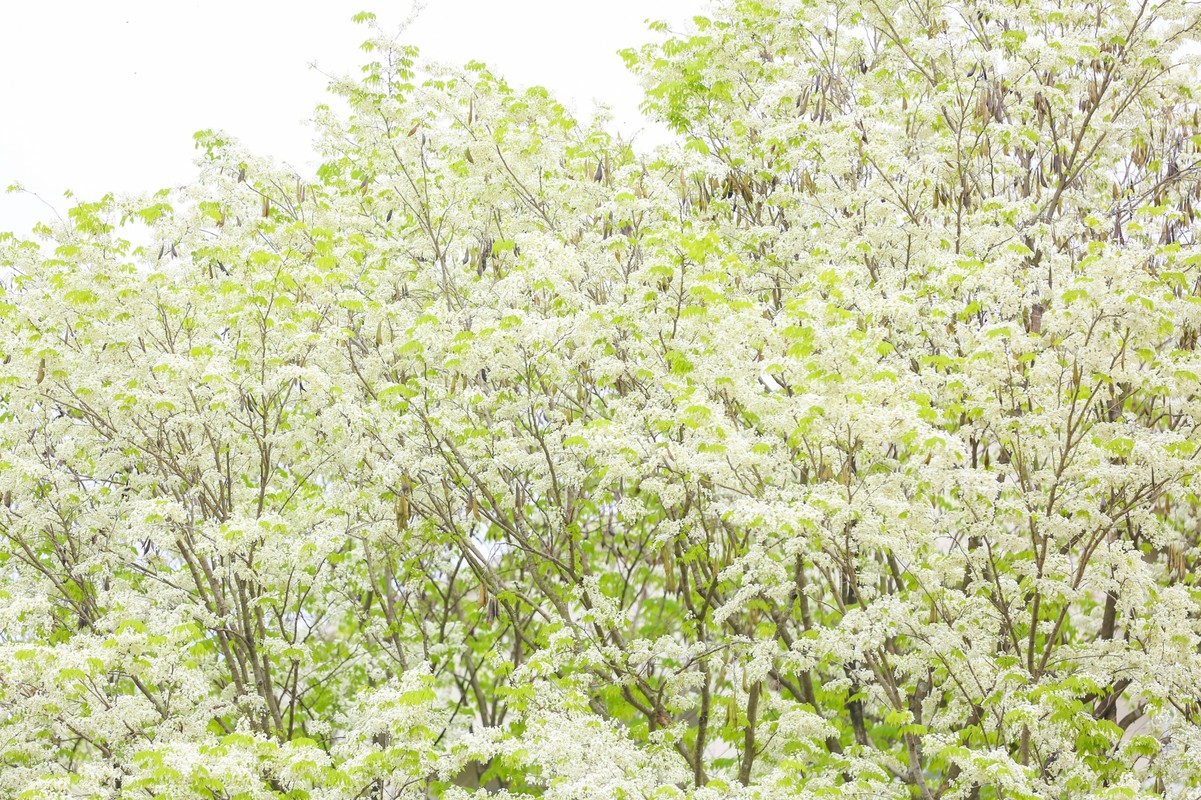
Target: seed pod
<point x="41" y="370"/>
<point x="402" y="513"/>
<point x="1177" y="564"/>
<point x="981" y="111"/>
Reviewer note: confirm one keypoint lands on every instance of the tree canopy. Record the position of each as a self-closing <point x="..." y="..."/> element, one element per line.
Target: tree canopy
<point x="844" y="447"/>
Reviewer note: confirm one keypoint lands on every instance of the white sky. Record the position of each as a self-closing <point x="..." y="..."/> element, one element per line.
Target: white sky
<point x="105" y="96"/>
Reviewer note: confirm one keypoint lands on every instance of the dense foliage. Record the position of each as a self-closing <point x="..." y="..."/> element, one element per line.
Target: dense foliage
<point x="845" y="448"/>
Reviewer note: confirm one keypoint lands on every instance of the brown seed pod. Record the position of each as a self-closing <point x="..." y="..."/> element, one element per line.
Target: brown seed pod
<point x="402" y="513"/>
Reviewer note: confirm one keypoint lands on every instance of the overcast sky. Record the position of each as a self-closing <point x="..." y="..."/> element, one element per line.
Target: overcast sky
<point x="105" y="96"/>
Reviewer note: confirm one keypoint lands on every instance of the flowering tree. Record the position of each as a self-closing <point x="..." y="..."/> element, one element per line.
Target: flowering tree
<point x="846" y="447"/>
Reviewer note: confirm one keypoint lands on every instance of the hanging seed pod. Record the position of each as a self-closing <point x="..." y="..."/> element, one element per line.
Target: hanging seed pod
<point x="402" y="513"/>
<point x="266" y="207"/>
<point x="483" y="598"/>
<point x="41" y="370"/>
<point x="981" y="111"/>
<point x="1139" y="154"/>
<point x="1177" y="564"/>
